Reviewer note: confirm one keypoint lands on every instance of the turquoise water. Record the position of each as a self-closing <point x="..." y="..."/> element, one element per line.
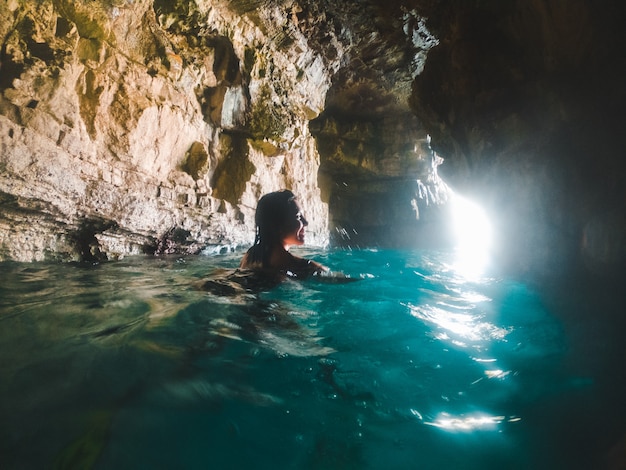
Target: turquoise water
<point x="128" y="365"/>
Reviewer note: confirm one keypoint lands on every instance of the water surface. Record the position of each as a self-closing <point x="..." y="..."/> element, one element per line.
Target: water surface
<point x="129" y="365"/>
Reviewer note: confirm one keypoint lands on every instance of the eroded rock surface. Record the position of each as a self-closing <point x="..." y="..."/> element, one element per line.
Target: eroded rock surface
<point x="121" y="122"/>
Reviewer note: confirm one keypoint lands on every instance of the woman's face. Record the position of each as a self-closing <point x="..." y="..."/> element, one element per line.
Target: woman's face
<point x="294" y="227"/>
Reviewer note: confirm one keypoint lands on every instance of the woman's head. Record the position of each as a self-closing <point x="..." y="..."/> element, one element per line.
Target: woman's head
<point x="279" y="220"/>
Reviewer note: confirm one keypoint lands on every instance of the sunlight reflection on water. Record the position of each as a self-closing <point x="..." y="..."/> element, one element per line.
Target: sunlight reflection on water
<point x="460" y="328"/>
<point x="460" y="315"/>
<point x="469" y="423"/>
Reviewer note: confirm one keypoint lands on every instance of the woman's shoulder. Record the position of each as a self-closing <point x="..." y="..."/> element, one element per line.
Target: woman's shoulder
<point x="252" y="259"/>
<point x="245" y="262"/>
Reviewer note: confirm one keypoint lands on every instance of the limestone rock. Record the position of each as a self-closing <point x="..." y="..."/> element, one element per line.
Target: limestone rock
<point x="121" y="123"/>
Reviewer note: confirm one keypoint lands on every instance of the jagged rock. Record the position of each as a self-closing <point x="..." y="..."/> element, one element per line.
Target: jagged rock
<point x="138" y="115"/>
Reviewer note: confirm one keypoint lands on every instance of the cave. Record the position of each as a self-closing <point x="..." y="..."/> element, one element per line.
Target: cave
<point x="150" y="129"/>
<point x="383" y="108"/>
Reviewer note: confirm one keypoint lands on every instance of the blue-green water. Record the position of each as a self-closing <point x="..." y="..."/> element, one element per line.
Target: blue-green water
<point x="128" y="365"/>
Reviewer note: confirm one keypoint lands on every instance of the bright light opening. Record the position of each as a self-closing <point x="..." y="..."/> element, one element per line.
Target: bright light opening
<point x="473" y="235"/>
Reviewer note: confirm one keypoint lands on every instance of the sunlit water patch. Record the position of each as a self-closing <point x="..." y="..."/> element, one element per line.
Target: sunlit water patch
<point x="416" y="365"/>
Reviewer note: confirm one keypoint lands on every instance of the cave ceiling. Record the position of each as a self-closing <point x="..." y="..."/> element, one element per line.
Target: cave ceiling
<point x="385" y="48"/>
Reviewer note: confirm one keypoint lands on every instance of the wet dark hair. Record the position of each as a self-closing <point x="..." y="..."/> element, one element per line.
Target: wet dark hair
<point x="274" y="213"/>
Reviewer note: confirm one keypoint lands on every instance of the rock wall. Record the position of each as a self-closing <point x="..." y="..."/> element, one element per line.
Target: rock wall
<point x="379" y="176"/>
<point x="128" y="127"/>
<point x="378" y="172"/>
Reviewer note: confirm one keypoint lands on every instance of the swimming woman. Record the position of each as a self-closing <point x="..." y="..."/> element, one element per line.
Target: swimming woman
<point x="280" y="224"/>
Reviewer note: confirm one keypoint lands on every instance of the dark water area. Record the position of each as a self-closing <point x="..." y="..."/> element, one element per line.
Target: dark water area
<point x="129" y="364"/>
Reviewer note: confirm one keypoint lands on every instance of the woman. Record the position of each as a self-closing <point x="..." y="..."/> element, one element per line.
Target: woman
<point x="280" y="224"/>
